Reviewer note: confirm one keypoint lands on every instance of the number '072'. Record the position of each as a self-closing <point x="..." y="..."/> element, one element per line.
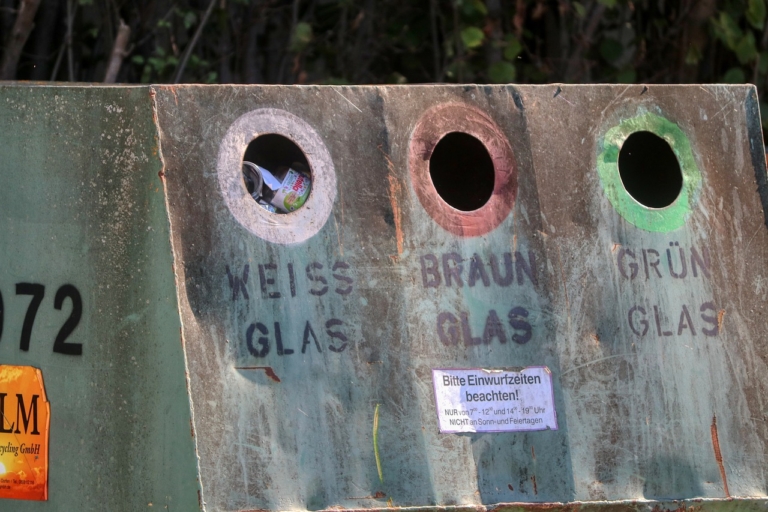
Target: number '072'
<point x="37" y="292"/>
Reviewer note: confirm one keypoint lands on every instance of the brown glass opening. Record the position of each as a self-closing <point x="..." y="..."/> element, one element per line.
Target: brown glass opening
<point x="462" y="171"/>
<point x="649" y="170"/>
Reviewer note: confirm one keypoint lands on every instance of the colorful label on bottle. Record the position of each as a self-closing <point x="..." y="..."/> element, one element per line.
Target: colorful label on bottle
<point x="293" y="193"/>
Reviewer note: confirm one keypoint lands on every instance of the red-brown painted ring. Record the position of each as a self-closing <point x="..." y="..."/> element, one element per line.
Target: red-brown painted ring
<point x="435" y="124"/>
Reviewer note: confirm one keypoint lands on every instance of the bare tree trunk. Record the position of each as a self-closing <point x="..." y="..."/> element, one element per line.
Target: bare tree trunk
<point x="18" y="38"/>
<point x="57" y="65"/>
<point x="565" y="14"/>
<point x="7" y="17"/>
<point x="71" y="11"/>
<point x="438" y="75"/>
<point x="253" y="62"/>
<point x="366" y="46"/>
<point x="694" y="36"/>
<point x="518" y="21"/>
<point x="277" y="44"/>
<point x="288" y="54"/>
<point x="459" y="44"/>
<point x="118" y="52"/>
<point x="224" y="44"/>
<point x="43" y="40"/>
<point x="493" y="50"/>
<point x="575" y="63"/>
<point x="341" y="44"/>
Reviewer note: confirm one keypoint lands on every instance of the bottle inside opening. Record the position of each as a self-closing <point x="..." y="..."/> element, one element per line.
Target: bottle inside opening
<point x="276" y="173"/>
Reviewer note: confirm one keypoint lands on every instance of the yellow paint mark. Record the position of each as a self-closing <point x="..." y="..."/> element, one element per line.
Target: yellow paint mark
<point x="394" y="189"/>
<point x="376" y="443"/>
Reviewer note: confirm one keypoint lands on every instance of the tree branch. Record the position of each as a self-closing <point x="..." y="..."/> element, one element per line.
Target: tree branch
<point x="438" y="76"/>
<point x="71" y="11"/>
<point x="193" y="42"/>
<point x="576" y="61"/>
<point x="18" y="38"/>
<point x="118" y="52"/>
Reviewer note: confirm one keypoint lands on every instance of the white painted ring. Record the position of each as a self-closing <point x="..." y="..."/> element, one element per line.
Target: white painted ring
<point x="289" y="228"/>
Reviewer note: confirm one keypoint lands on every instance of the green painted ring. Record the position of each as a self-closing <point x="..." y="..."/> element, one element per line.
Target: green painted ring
<point x="660" y="220"/>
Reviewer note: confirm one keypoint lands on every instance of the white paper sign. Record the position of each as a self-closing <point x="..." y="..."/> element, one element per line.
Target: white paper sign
<point x="494" y="400"/>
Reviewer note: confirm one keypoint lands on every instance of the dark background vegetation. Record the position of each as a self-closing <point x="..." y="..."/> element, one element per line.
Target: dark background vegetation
<point x="386" y="41"/>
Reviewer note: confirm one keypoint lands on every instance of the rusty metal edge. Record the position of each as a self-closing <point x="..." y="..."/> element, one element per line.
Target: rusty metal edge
<point x="153" y="102"/>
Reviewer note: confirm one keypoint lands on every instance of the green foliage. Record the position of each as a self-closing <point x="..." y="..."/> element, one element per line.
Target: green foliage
<point x="512" y="47"/>
<point x="211" y="77"/>
<point x="735" y="27"/>
<point x="159" y="65"/>
<point x="727" y="30"/>
<point x="301" y="37"/>
<point x="611" y="50"/>
<point x="755" y="13"/>
<point x="397" y="78"/>
<point x="745" y="49"/>
<point x="189" y="19"/>
<point x="501" y="73"/>
<point x="472" y="37"/>
<point x="472" y="8"/>
<point x="734" y="76"/>
<point x="627" y="76"/>
<point x="762" y="65"/>
<point x="693" y="56"/>
<point x="402" y="41"/>
<point x="331" y="80"/>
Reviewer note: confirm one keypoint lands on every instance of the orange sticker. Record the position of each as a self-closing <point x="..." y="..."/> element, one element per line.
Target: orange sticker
<point x="24" y="422"/>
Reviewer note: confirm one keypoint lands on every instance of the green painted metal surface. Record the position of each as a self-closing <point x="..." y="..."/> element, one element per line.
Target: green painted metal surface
<point x="309" y="338"/>
<point x="81" y="203"/>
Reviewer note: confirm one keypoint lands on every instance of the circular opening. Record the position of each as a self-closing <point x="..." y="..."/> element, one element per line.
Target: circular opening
<point x="462" y="171"/>
<point x="649" y="170"/>
<point x="276" y="173"/>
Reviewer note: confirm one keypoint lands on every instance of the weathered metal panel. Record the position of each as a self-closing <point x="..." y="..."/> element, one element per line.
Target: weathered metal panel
<point x="81" y="203"/>
<point x="652" y="408"/>
<point x="659" y="375"/>
<point x="659" y="372"/>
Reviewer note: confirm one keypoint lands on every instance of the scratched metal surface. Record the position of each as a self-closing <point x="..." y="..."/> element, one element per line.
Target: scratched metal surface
<point x="648" y="411"/>
<point x="81" y="203"/>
